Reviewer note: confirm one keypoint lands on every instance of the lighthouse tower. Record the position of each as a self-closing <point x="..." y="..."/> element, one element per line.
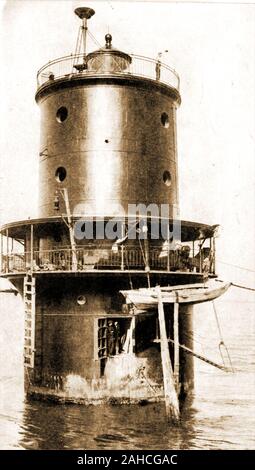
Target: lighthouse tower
<point x="107" y="149"/>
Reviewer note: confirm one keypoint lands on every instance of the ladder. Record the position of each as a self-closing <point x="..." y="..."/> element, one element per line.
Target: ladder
<point x="29" y="337"/>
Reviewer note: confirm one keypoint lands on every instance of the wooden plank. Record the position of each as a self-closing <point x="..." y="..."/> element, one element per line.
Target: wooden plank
<point x="171" y="398"/>
<point x="71" y="230"/>
<point x="132" y="328"/>
<point x="176" y="344"/>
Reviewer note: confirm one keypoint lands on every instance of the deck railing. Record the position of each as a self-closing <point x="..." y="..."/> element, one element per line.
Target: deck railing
<point x="90" y="258"/>
<point x="72" y="66"/>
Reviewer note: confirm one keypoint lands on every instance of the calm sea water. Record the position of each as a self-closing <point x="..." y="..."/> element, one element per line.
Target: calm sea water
<point x="219" y="415"/>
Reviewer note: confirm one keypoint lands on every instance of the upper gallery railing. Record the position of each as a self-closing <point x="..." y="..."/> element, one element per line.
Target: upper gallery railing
<point x="73" y="65"/>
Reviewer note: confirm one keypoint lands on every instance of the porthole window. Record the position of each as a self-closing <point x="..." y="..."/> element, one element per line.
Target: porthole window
<point x="165" y="120"/>
<point x="61" y="114"/>
<point x="167" y="179"/>
<point x="81" y="300"/>
<point x="60" y="174"/>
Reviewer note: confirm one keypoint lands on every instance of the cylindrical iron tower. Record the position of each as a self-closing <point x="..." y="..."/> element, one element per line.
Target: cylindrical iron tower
<point x="108" y="145"/>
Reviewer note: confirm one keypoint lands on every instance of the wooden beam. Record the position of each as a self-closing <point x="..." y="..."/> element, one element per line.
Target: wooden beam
<point x="146" y="248"/>
<point x="214" y="256"/>
<point x="71" y="230"/>
<point x="202" y="358"/>
<point x="171" y="398"/>
<point x="132" y="327"/>
<point x="176" y="344"/>
<point x="146" y="254"/>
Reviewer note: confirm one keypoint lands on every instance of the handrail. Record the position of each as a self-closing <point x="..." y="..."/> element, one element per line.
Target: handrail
<point x="88" y="258"/>
<point x="140" y="66"/>
<point x="91" y="257"/>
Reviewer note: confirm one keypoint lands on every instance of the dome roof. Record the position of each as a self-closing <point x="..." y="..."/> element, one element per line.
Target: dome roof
<point x="109" y="50"/>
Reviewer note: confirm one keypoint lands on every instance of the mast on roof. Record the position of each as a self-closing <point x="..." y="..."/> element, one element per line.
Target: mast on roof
<point x="84" y="13"/>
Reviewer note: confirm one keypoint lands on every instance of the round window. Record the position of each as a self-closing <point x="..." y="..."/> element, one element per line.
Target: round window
<point x="165" y="120"/>
<point x="81" y="300"/>
<point x="61" y="114"/>
<point x="167" y="178"/>
<point x="60" y="174"/>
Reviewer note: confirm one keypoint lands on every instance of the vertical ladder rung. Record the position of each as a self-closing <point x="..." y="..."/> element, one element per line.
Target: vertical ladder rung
<point x="29" y="333"/>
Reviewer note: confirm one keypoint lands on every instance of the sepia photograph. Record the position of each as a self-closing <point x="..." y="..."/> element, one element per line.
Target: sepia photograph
<point x="127" y="228"/>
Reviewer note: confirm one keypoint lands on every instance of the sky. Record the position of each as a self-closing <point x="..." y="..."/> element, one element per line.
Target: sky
<point x="212" y="47"/>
